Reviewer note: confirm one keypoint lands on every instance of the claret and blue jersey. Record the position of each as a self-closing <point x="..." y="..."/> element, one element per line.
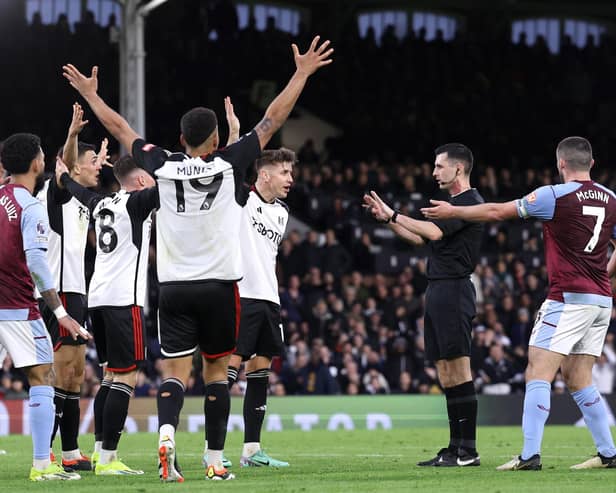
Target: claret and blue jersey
<point x="23" y="226"/>
<point x="579" y="220"/>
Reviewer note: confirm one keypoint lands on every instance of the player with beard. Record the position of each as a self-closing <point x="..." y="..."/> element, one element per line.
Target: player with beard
<point x="579" y="222"/>
<point x="24" y="230"/>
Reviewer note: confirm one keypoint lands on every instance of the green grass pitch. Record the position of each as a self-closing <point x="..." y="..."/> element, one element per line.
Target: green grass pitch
<point x="341" y="461"/>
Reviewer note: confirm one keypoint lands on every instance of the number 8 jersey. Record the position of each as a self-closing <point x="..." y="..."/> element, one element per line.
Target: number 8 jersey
<point x="123" y="222"/>
<point x="579" y="219"/>
<point x="201" y="200"/>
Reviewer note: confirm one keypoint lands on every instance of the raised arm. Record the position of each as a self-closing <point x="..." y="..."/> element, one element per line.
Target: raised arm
<point x="233" y="121"/>
<point x="279" y="109"/>
<point x="102" y="158"/>
<point x="490" y="211"/>
<point x="112" y="121"/>
<point x="69" y="152"/>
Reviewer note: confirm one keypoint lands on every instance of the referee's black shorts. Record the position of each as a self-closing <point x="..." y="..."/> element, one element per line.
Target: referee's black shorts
<point x="202" y="315"/>
<point x="260" y="329"/>
<point x="450" y="309"/>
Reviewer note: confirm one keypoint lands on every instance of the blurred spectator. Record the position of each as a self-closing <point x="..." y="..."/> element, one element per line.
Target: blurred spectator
<point x="497" y="371"/>
<point x="315" y="378"/>
<point x="603" y="371"/>
<point x="375" y="383"/>
<point x="307" y="153"/>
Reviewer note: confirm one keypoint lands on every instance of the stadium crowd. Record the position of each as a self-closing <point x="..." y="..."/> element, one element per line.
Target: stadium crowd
<point x="353" y="323"/>
<point x="351" y="293"/>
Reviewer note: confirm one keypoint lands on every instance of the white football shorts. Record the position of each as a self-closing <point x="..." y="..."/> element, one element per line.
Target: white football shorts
<point x="570" y="328"/>
<point x="27" y="342"/>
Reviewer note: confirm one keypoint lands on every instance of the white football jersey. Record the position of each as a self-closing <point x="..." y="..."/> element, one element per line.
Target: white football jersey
<point x="68" y="222"/>
<point x="123" y="223"/>
<point x="201" y="199"/>
<point x="263" y="226"/>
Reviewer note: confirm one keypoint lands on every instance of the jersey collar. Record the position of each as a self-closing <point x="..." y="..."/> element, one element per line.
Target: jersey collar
<point x="254" y="189"/>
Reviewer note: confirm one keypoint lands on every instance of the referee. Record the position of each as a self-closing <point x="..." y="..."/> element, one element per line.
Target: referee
<point x="450" y="297"/>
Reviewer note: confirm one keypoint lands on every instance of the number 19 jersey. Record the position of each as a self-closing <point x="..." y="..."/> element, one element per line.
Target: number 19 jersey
<point x="201" y="200"/>
<point x="579" y="222"/>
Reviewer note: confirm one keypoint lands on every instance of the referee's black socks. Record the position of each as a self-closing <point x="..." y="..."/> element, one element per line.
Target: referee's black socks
<point x="170" y="399"/>
<point x="462" y="411"/>
<point x="216" y="407"/>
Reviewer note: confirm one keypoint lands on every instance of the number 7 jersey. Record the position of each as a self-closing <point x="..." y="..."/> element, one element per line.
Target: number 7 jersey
<point x="201" y="200"/>
<point x="579" y="220"/>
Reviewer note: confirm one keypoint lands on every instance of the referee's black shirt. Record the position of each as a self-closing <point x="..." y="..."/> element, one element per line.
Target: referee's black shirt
<point x="455" y="255"/>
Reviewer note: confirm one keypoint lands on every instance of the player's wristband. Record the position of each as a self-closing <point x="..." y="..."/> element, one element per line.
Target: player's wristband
<point x="60" y="312"/>
<point x="394" y="216"/>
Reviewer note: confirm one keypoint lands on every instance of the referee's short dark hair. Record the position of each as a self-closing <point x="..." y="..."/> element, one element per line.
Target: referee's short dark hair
<point x="124" y="167"/>
<point x="18" y="151"/>
<point x="197" y="125"/>
<point x="457" y="152"/>
<point x="273" y="156"/>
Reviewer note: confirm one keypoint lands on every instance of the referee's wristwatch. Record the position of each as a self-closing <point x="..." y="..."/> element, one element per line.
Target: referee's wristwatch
<point x="394" y="216"/>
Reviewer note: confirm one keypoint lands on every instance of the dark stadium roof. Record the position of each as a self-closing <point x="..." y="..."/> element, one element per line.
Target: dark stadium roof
<point x="554" y="7"/>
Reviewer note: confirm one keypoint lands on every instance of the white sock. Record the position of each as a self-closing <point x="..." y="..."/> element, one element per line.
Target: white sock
<point x="107" y="456"/>
<point x="98" y="446"/>
<point x="250" y="448"/>
<point x="41" y="464"/>
<point x="205" y="449"/>
<point x="214" y="458"/>
<point x="71" y="454"/>
<point x="167" y="431"/>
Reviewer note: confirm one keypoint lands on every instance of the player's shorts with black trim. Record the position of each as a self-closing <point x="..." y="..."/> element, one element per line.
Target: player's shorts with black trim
<point x="76" y="306"/>
<point x="198" y="314"/>
<point x="119" y="336"/>
<point x="260" y="329"/>
<point x="450" y="309"/>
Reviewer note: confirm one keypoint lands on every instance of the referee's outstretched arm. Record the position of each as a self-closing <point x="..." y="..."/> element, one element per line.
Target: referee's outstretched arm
<point x="409" y="229"/>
